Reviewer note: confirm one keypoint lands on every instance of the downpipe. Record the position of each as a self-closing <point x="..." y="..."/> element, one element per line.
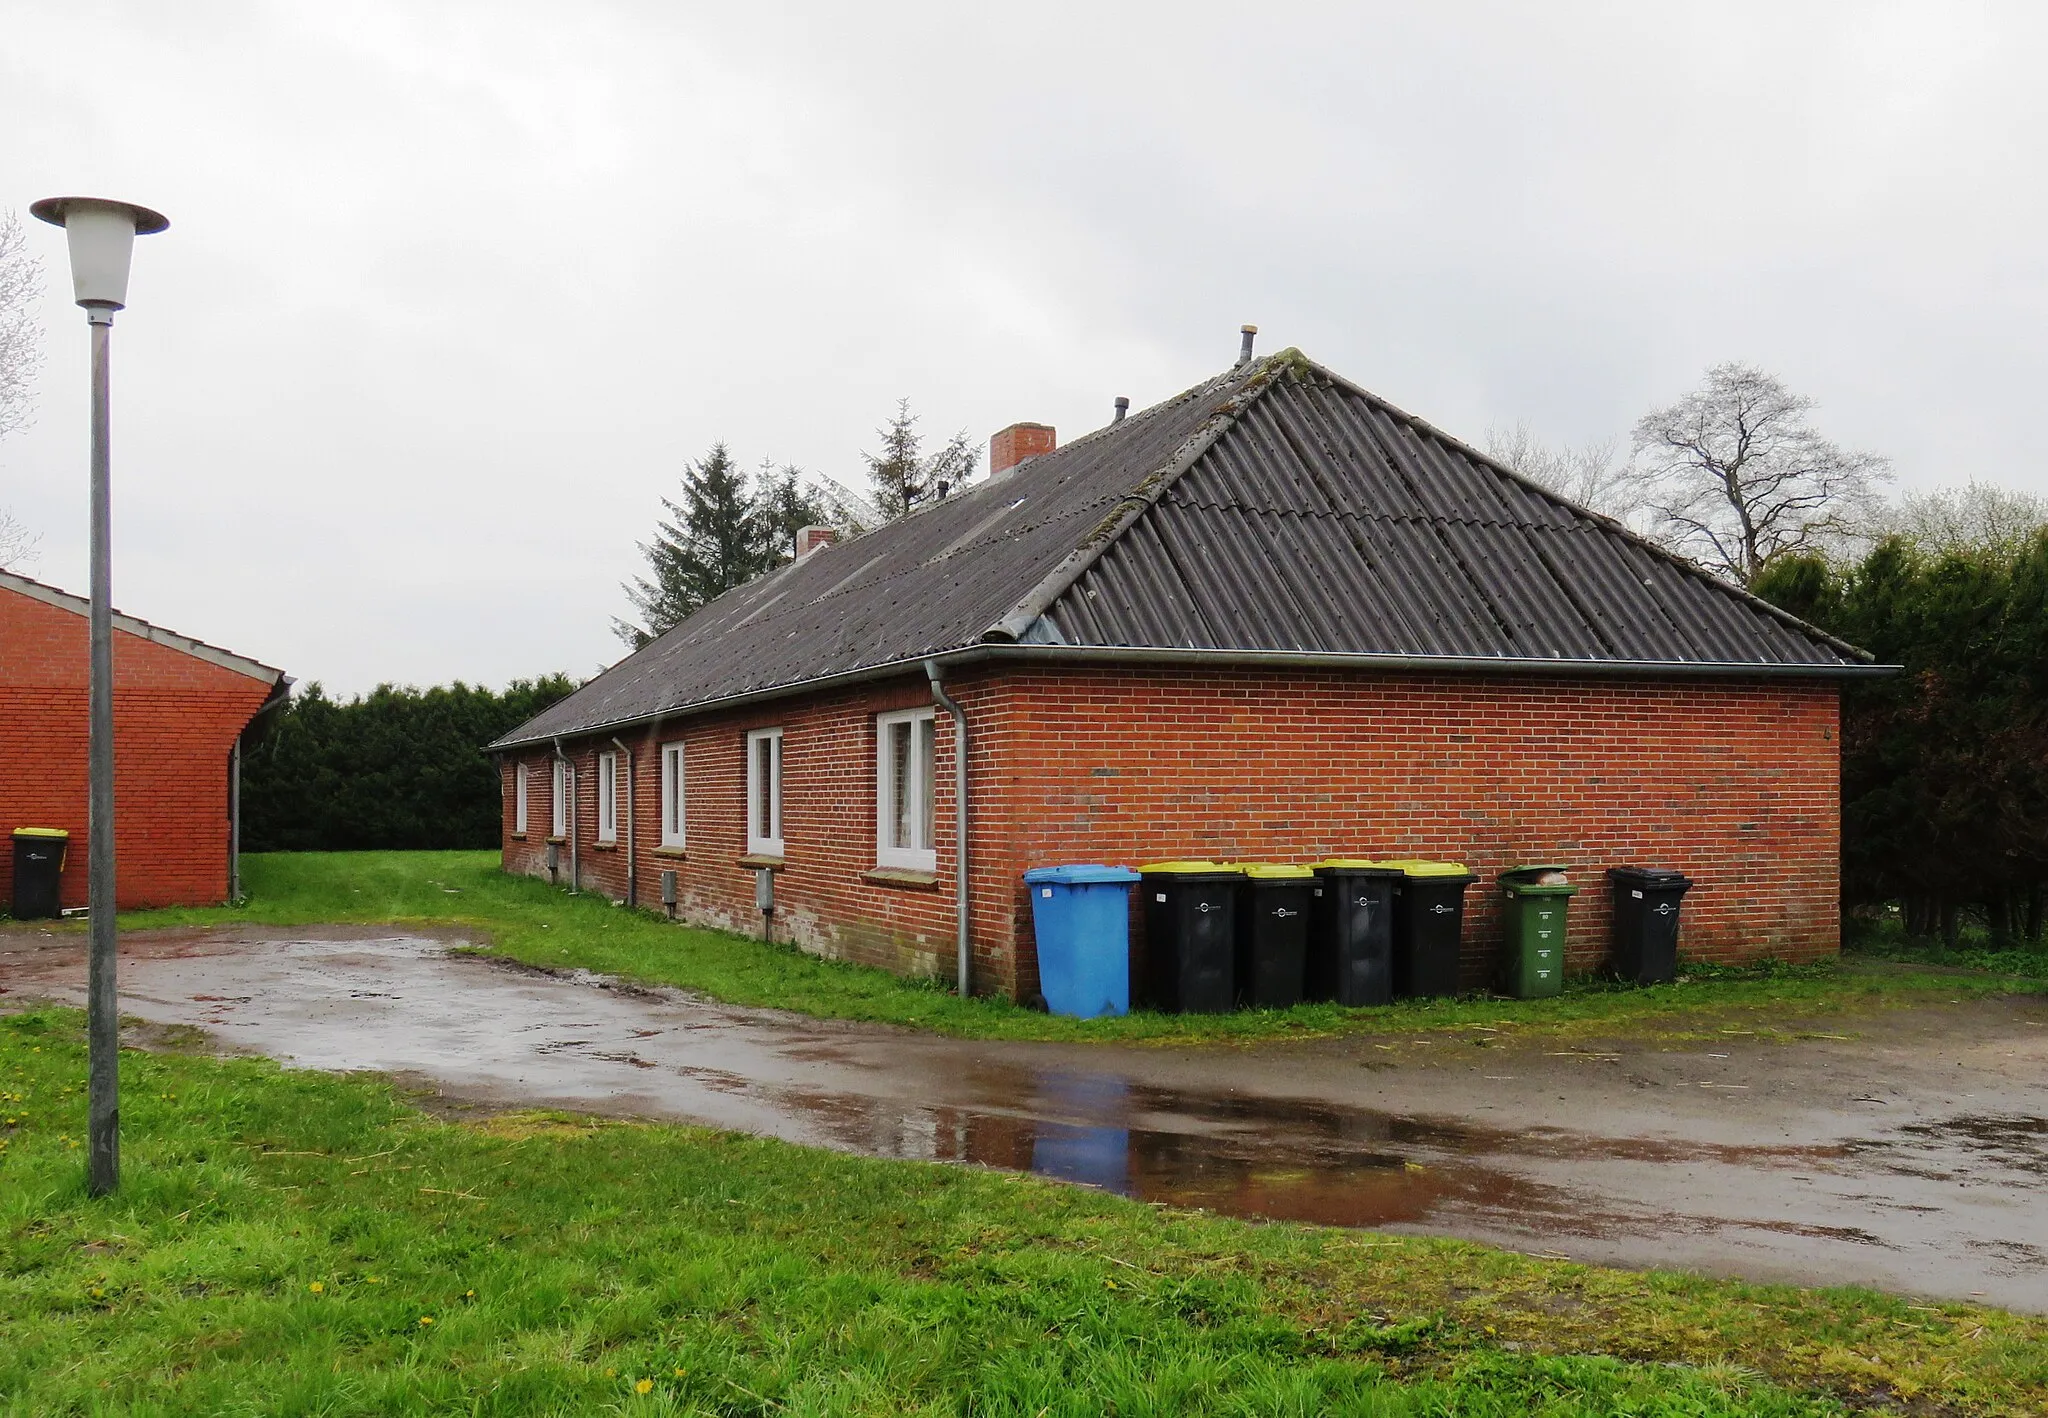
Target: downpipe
<point x="963" y="944"/>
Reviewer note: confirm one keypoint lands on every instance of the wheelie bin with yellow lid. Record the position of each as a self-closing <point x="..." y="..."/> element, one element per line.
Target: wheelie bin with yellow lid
<point x="1272" y="934"/>
<point x="1190" y="929"/>
<point x="1351" y="931"/>
<point x="39" y="854"/>
<point x="1429" y="926"/>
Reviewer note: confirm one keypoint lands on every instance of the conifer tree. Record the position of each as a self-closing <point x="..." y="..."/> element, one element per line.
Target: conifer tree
<point x="904" y="478"/>
<point x="710" y="542"/>
<point x="785" y="503"/>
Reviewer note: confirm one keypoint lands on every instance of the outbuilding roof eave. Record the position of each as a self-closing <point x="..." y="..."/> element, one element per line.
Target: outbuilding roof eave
<point x="1189" y="656"/>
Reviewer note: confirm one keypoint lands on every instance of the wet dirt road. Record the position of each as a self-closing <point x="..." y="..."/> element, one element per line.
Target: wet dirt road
<point x="1912" y="1157"/>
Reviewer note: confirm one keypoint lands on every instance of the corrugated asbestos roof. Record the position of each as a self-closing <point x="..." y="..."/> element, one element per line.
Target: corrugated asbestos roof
<point x="1276" y="508"/>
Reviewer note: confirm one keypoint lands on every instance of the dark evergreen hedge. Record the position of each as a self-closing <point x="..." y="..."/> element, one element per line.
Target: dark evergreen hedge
<point x="396" y="768"/>
<point x="1944" y="767"/>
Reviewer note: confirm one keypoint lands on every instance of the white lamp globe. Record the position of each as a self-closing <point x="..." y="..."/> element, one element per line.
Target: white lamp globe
<point x="102" y="236"/>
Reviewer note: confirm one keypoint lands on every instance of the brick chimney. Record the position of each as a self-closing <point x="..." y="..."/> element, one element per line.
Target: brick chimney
<point x="1018" y="442"/>
<point x="809" y="539"/>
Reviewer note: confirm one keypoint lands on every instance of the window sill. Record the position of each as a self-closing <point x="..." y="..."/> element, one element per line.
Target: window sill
<point x="680" y="854"/>
<point x="604" y="846"/>
<point x="559" y="841"/>
<point x="519" y="837"/>
<point x="900" y="876"/>
<point x="755" y="861"/>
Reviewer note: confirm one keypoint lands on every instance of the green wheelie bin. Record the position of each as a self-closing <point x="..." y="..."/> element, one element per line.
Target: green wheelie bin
<point x="1536" y="900"/>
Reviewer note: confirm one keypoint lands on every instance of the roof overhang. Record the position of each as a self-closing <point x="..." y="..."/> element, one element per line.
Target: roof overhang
<point x="1004" y="652"/>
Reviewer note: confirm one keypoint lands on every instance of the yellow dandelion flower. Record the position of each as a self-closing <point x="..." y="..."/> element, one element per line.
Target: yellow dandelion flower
<point x="611" y="1373"/>
<point x="644" y="1386"/>
<point x="426" y="1319"/>
<point x="316" y="1287"/>
<point x="681" y="1372"/>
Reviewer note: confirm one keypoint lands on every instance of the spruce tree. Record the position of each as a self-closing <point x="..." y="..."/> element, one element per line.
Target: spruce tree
<point x="710" y="542"/>
<point x="785" y="502"/>
<point x="903" y="477"/>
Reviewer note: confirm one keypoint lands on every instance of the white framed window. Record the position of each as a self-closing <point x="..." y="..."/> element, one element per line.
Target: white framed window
<point x="607" y="797"/>
<point x="764" y="793"/>
<point x="558" y="802"/>
<point x="519" y="798"/>
<point x="904" y="746"/>
<point x="672" y="795"/>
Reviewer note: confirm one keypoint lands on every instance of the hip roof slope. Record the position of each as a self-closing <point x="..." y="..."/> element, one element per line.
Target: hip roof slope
<point x="1275" y="508"/>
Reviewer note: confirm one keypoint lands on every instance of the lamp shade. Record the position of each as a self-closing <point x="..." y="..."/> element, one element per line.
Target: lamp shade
<point x="102" y="237"/>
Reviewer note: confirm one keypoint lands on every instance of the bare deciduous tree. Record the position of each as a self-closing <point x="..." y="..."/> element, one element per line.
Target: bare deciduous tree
<point x="1735" y="476"/>
<point x="1587" y="474"/>
<point x="21" y="355"/>
<point x="1977" y="517"/>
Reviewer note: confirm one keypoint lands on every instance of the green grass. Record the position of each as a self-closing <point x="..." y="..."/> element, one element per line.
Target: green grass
<point x="530" y="921"/>
<point x="294" y="1242"/>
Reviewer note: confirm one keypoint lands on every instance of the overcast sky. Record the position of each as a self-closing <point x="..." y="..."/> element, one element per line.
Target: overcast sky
<point x="452" y="291"/>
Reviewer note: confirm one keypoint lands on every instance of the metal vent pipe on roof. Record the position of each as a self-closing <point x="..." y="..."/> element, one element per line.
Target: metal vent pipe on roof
<point x="1123" y="406"/>
<point x="1244" y="349"/>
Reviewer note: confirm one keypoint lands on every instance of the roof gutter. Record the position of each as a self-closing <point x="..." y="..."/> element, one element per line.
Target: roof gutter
<point x="1280" y="659"/>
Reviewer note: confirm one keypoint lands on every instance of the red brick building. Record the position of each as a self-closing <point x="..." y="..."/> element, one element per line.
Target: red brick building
<point x="180" y="708"/>
<point x="1274" y="618"/>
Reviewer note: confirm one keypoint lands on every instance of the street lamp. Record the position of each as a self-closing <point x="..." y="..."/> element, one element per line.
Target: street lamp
<point x="102" y="238"/>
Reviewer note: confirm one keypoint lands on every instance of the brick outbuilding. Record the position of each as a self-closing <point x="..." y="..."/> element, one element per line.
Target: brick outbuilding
<point x="1274" y="618"/>
<point x="180" y="709"/>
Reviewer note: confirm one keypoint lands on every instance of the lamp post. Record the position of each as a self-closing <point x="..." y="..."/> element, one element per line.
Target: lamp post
<point x="102" y="236"/>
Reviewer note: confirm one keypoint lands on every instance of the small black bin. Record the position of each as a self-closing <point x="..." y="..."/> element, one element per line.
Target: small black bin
<point x="39" y="872"/>
<point x="1351" y="941"/>
<point x="1190" y="936"/>
<point x="1645" y="923"/>
<point x="1272" y="935"/>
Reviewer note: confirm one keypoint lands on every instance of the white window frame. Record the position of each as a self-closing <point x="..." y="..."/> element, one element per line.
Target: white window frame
<point x="914" y="855"/>
<point x="558" y="809"/>
<point x="519" y="799"/>
<point x="771" y="844"/>
<point x="608" y="797"/>
<point x="674" y="803"/>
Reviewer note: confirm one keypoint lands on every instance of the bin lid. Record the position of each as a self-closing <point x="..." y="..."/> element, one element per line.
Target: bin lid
<point x="1534" y="872"/>
<point x="1079" y="874"/>
<point x="1357" y="864"/>
<point x="56" y="832"/>
<point x="1657" y="877"/>
<point x="1418" y="866"/>
<point x="1273" y="871"/>
<point x="1191" y="868"/>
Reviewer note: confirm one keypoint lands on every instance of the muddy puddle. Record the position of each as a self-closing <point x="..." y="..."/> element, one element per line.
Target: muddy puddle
<point x="1833" y="1163"/>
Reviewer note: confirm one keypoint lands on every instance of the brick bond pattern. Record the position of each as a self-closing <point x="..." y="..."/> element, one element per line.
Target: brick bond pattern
<point x="176" y="717"/>
<point x="1736" y="783"/>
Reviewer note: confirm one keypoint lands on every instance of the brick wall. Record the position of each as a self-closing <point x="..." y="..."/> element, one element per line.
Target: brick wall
<point x="1734" y="783"/>
<point x="176" y="718"/>
<point x="829" y="899"/>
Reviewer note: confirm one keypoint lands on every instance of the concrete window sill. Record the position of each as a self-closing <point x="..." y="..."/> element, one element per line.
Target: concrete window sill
<point x="519" y="837"/>
<point x="604" y="846"/>
<point x="756" y="863"/>
<point x="898" y="876"/>
<point x="676" y="854"/>
<point x="559" y="841"/>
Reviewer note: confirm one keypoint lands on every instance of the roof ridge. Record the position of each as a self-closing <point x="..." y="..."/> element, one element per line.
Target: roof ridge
<point x="1145" y="494"/>
<point x="1606" y="523"/>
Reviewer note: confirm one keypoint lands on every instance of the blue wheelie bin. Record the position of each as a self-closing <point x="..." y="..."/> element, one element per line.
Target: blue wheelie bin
<point x="1081" y="916"/>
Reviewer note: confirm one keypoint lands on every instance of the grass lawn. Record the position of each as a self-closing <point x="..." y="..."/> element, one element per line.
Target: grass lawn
<point x="530" y="921"/>
<point x="294" y="1242"/>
